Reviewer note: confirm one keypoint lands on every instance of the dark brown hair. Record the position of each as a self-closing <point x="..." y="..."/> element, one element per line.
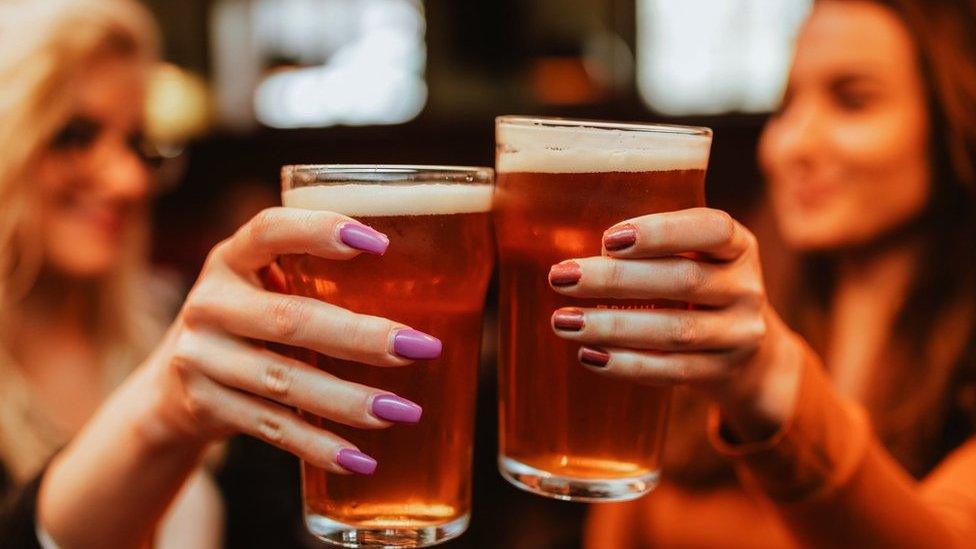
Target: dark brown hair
<point x="920" y="401"/>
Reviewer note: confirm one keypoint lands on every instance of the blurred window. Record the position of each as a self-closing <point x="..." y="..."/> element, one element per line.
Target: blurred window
<point x="715" y="56"/>
<point x="321" y="62"/>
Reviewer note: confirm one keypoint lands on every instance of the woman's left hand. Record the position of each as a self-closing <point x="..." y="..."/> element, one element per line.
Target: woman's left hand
<point x="731" y="343"/>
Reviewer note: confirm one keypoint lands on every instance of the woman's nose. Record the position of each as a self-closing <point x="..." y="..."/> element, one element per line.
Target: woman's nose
<point x="121" y="174"/>
<point x="799" y="132"/>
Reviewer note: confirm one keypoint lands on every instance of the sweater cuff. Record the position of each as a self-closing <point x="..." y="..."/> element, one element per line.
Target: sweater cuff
<point x="813" y="454"/>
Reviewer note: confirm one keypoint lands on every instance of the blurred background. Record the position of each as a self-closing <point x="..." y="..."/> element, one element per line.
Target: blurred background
<point x="250" y="85"/>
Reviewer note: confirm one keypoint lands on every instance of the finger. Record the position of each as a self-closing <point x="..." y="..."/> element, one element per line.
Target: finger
<point x="274" y="424"/>
<point x="239" y="365"/>
<point x="657" y="368"/>
<point x="671" y="278"/>
<point x="279" y="231"/>
<point x="707" y="231"/>
<point x="660" y="329"/>
<point x="308" y="323"/>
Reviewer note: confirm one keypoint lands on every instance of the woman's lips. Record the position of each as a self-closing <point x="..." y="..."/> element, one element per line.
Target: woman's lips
<point x="106" y="222"/>
<point x="810" y="194"/>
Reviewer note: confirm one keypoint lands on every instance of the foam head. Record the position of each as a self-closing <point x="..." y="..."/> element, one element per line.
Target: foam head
<point x="377" y="200"/>
<point x="565" y="146"/>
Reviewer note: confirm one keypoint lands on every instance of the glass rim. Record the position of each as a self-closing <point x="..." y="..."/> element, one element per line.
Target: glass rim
<point x="384" y="173"/>
<point x="554" y="122"/>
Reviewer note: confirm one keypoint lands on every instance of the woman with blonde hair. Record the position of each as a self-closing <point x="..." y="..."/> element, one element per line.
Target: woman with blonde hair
<point x="105" y="413"/>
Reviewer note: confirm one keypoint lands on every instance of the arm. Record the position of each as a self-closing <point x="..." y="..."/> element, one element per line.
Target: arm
<point x="811" y="453"/>
<point x="832" y="482"/>
<point x="212" y="376"/>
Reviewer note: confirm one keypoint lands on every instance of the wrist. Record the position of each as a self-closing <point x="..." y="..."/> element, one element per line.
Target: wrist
<point x="761" y="398"/>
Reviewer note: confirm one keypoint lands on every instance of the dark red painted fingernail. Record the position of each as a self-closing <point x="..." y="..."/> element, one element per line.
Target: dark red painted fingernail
<point x="594" y="356"/>
<point x="568" y="320"/>
<point x="566" y="273"/>
<point x="620" y="237"/>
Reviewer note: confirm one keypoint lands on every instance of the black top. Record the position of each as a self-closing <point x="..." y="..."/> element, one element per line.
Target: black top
<point x="17" y="514"/>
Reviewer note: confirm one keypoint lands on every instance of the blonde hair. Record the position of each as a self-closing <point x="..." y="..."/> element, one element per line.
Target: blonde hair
<point x="46" y="45"/>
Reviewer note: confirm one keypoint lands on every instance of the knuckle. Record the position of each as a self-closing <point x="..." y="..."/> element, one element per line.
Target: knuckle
<point x="615" y="324"/>
<point x="753" y="294"/>
<point x="186" y="354"/>
<point x="724" y="226"/>
<point x="261" y="226"/>
<point x="758" y="330"/>
<point x="613" y="274"/>
<point x="197" y="309"/>
<point x="691" y="276"/>
<point x="197" y="405"/>
<point x="214" y="255"/>
<point x="288" y="316"/>
<point x="271" y="428"/>
<point x="684" y="332"/>
<point x="278" y="378"/>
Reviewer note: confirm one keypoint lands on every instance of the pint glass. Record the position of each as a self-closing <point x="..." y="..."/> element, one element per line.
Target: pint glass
<point x="566" y="432"/>
<point x="433" y="278"/>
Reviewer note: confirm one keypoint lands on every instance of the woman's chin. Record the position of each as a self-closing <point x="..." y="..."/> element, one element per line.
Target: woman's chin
<point x="86" y="266"/>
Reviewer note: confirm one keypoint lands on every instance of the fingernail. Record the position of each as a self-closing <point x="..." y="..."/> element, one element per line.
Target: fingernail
<point x="361" y="237"/>
<point x="396" y="409"/>
<point x="620" y="237"/>
<point x="566" y="273"/>
<point x="568" y="320"/>
<point x="594" y="356"/>
<point x="356" y="461"/>
<point x="416" y="345"/>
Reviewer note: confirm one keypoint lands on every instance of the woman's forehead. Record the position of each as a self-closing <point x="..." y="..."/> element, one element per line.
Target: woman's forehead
<point x="856" y="36"/>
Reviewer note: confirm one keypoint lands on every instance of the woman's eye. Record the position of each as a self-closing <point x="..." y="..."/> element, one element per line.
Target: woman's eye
<point x="853" y="101"/>
<point x="79" y="133"/>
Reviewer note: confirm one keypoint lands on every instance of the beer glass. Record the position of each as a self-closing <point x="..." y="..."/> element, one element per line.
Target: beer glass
<point x="433" y="278"/>
<point x="566" y="432"/>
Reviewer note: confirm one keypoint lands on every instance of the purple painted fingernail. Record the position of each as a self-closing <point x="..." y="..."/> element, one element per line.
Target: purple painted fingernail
<point x="356" y="461"/>
<point x="396" y="409"/>
<point x="361" y="237"/>
<point x="416" y="345"/>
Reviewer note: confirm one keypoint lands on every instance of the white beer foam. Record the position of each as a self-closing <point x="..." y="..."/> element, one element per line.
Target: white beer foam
<point x="364" y="200"/>
<point x="572" y="149"/>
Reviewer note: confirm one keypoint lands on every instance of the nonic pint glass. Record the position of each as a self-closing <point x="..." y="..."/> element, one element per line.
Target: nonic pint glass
<point x="566" y="432"/>
<point x="433" y="278"/>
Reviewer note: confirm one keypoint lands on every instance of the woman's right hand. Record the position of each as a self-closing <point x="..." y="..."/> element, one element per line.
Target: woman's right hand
<point x="215" y="377"/>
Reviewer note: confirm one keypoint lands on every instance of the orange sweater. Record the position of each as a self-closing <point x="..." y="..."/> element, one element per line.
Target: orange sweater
<point x="823" y="481"/>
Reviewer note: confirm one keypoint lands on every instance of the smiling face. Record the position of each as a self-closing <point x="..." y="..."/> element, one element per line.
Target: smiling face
<point x="847" y="157"/>
<point x="92" y="183"/>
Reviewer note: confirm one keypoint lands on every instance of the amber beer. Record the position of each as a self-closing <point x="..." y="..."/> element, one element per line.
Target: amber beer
<point x="432" y="278"/>
<point x="566" y="432"/>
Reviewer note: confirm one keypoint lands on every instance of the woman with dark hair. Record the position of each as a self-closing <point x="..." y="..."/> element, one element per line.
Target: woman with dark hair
<point x="860" y="432"/>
